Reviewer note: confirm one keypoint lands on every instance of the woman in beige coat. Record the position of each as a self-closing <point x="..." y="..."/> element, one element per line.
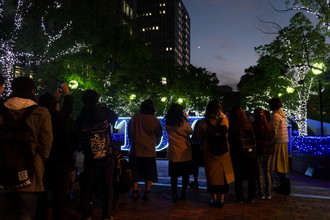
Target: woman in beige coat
<point x="179" y="149"/>
<point x="218" y="168"/>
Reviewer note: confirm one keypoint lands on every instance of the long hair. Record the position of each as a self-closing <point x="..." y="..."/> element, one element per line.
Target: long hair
<point x="261" y="124"/>
<point x="175" y="115"/>
<point x="213" y="109"/>
<point x="238" y="119"/>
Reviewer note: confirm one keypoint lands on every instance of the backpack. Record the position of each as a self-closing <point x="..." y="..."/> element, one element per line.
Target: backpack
<point x="217" y="138"/>
<point x="123" y="176"/>
<point x="248" y="142"/>
<point x="16" y="156"/>
<point x="96" y="139"/>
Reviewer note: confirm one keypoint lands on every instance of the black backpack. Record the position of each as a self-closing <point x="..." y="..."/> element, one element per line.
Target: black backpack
<point x="16" y="157"/>
<point x="217" y="138"/>
<point x="123" y="176"/>
<point x="96" y="139"/>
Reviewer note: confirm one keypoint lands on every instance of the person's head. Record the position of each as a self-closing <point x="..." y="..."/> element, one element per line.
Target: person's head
<point x="238" y="113"/>
<point x="49" y="101"/>
<point x="261" y="121"/>
<point x="90" y="97"/>
<point x="23" y="87"/>
<point x="147" y="107"/>
<point x="213" y="109"/>
<point x="238" y="117"/>
<point x="2" y="84"/>
<point x="275" y="104"/>
<point x="175" y="115"/>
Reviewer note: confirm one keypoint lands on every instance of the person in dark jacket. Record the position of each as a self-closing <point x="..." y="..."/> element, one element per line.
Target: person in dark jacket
<point x="264" y="134"/>
<point x="62" y="156"/>
<point x="101" y="170"/>
<point x="244" y="160"/>
<point x="197" y="155"/>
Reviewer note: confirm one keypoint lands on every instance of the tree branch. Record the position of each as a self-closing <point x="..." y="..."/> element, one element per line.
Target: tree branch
<point x="275" y="25"/>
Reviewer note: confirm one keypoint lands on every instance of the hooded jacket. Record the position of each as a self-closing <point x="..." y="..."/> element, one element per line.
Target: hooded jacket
<point x="41" y="139"/>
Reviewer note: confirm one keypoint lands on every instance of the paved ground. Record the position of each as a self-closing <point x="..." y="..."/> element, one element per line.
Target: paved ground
<point x="310" y="199"/>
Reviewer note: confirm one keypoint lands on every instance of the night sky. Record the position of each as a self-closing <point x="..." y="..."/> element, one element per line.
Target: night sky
<point x="224" y="34"/>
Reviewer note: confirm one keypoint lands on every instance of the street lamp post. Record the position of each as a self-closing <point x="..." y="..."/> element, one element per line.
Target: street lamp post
<point x="318" y="69"/>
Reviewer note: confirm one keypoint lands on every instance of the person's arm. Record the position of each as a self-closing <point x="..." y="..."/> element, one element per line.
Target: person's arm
<point x="189" y="130"/>
<point x="158" y="130"/>
<point x="276" y="119"/>
<point x="201" y="130"/>
<point x="45" y="136"/>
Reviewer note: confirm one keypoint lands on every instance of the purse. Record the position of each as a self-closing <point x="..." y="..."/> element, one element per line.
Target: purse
<point x="248" y="143"/>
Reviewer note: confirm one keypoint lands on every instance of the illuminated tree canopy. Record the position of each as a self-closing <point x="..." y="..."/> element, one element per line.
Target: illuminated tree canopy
<point x="319" y="8"/>
<point x="298" y="46"/>
<point x="262" y="82"/>
<point x="30" y="36"/>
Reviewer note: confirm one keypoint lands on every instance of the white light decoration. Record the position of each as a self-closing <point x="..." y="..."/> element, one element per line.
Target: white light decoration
<point x="324" y="17"/>
<point x="290" y="90"/>
<point x="163" y="81"/>
<point x="132" y="97"/>
<point x="73" y="84"/>
<point x="303" y="87"/>
<point x="318" y="68"/>
<point x="163" y="99"/>
<point x="180" y="100"/>
<point x="10" y="57"/>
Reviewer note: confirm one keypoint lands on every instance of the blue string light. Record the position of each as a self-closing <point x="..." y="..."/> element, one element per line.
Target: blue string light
<point x="301" y="144"/>
<point x="311" y="145"/>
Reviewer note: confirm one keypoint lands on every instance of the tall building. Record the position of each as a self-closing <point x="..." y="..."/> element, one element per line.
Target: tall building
<point x="166" y="24"/>
<point x="126" y="7"/>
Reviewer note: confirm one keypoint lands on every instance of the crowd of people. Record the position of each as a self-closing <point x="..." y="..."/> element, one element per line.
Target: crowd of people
<point x="232" y="147"/>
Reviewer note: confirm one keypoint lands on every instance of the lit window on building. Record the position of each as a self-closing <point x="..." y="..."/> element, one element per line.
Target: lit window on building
<point x="167" y="48"/>
<point x="164" y="4"/>
<point x="157" y="28"/>
<point x="150" y="14"/>
<point x="143" y="29"/>
<point x="164" y="12"/>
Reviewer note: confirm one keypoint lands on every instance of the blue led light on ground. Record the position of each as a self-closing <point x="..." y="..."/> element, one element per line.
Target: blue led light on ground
<point x="311" y="145"/>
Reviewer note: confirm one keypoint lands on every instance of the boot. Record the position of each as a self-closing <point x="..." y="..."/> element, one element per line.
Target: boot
<point x="174" y="197"/>
<point x="284" y="188"/>
<point x="287" y="186"/>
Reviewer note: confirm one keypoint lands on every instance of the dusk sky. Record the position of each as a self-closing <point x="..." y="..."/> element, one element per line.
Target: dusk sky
<point x="224" y="34"/>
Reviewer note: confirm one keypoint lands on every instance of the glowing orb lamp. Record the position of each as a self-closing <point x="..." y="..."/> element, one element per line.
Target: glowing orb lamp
<point x="73" y="84"/>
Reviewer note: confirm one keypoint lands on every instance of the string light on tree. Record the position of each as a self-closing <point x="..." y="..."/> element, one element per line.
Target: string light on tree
<point x="10" y="56"/>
